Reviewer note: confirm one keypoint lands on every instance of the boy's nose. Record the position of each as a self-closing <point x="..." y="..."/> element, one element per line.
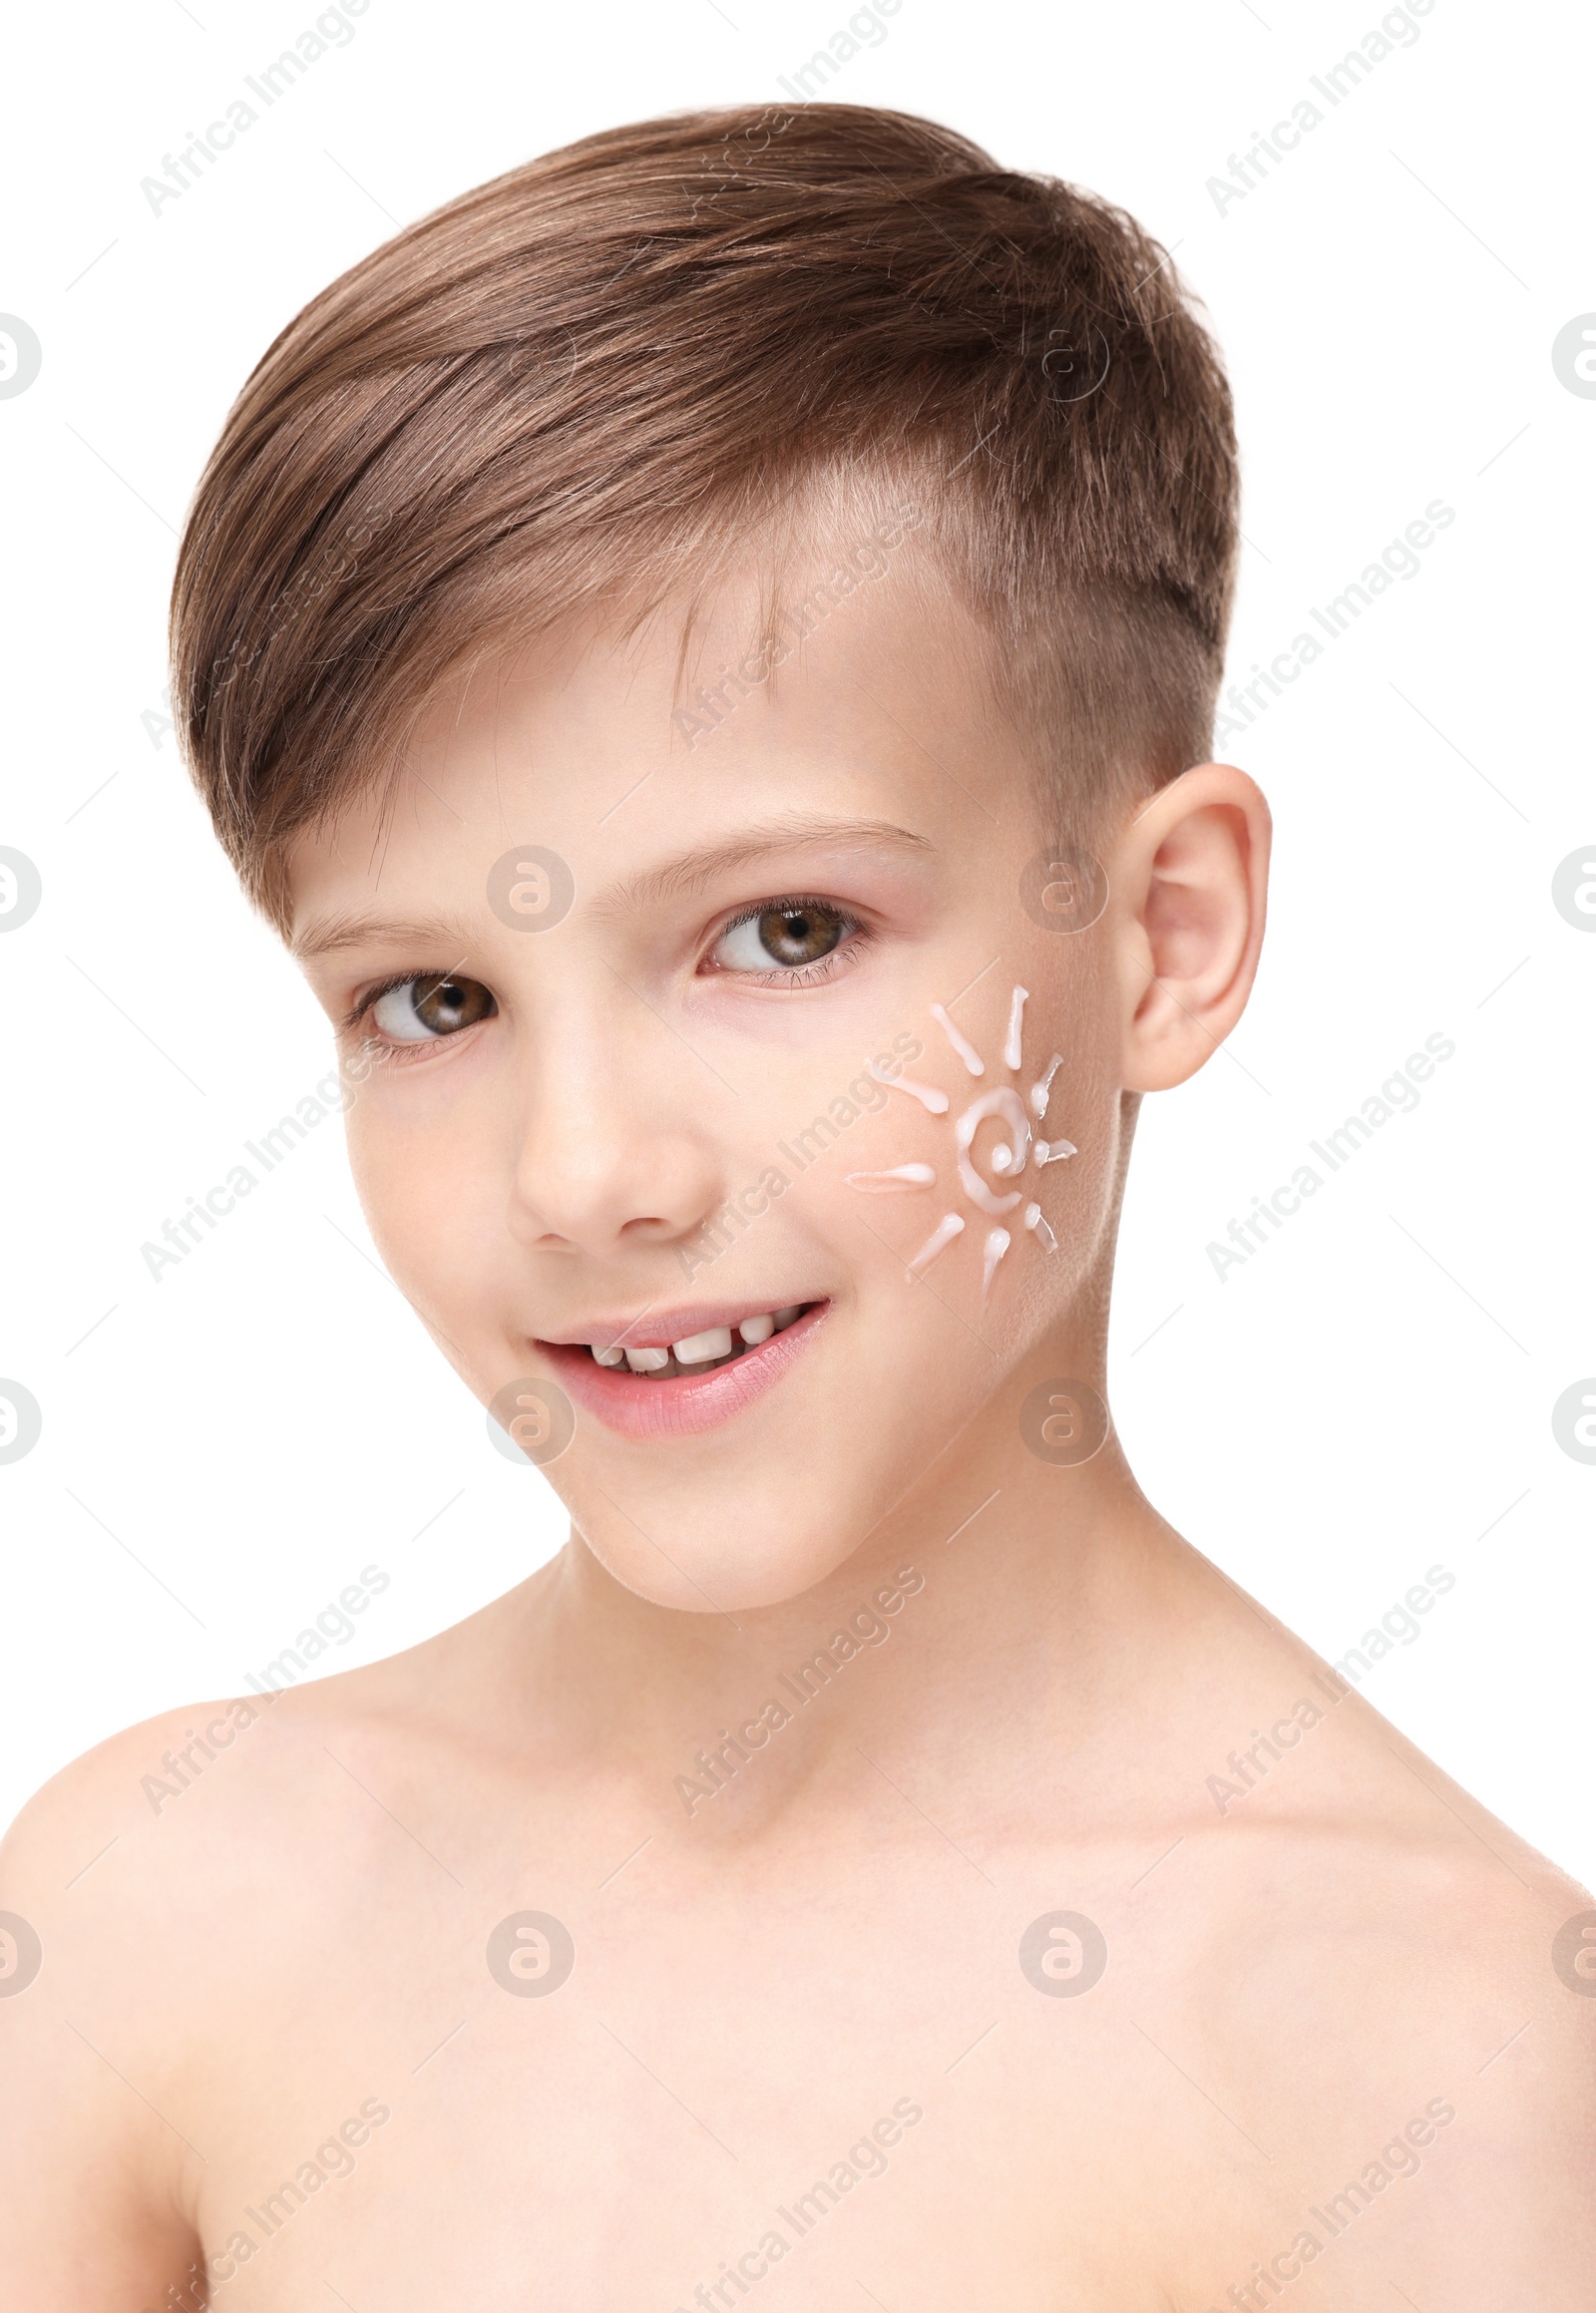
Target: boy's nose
<point x="598" y="1170"/>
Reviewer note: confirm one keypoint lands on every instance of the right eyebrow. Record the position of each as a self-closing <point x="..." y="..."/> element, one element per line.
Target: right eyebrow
<point x="341" y="931"/>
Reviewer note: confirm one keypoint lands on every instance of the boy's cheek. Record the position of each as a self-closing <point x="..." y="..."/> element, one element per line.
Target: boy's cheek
<point x="431" y="1208"/>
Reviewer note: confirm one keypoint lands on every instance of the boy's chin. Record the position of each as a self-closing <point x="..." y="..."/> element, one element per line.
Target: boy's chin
<point x="760" y="1523"/>
<point x="676" y="1571"/>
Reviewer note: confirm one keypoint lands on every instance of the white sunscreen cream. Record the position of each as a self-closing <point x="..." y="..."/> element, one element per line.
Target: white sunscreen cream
<point x="946" y="1229"/>
<point x="1003" y="1101"/>
<point x="1016" y="1007"/>
<point x="927" y="1094"/>
<point x="896" y="1177"/>
<point x="960" y="1043"/>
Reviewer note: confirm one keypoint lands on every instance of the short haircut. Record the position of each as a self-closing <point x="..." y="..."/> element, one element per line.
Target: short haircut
<point x="580" y="389"/>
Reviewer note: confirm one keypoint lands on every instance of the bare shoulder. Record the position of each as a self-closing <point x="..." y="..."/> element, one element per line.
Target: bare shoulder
<point x="243" y="1810"/>
<point x="149" y="1829"/>
<point x="156" y="1898"/>
<point x="95" y="1894"/>
<point x="1405" y="1993"/>
<point x="222" y="1811"/>
<point x="216" y="1831"/>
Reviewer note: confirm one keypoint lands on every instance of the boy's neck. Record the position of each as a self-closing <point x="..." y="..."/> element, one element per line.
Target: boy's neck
<point x="998" y="1592"/>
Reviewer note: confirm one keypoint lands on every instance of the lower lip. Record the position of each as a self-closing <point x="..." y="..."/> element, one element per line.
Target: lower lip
<point x="689" y="1402"/>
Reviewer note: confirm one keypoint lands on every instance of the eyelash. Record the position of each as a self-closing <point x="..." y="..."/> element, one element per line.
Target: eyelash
<point x="376" y="1050"/>
<point x="857" y="935"/>
<point x="374" y="996"/>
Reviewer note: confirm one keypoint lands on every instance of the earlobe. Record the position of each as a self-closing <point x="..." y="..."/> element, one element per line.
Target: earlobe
<point x="1190" y="875"/>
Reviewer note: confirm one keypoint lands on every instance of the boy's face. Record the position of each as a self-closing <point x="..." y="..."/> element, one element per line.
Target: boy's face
<point x="641" y="1107"/>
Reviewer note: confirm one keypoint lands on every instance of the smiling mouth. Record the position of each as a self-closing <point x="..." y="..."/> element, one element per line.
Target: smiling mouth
<point x="696" y="1353"/>
<point x="685" y="1380"/>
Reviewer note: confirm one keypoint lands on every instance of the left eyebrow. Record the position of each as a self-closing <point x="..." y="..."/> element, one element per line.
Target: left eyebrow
<point x="691" y="871"/>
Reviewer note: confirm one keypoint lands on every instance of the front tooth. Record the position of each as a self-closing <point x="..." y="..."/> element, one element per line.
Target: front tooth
<point x="757" y="1330"/>
<point x="647" y="1361"/>
<point x="788" y="1316"/>
<point x="609" y="1356"/>
<point x="698" y="1348"/>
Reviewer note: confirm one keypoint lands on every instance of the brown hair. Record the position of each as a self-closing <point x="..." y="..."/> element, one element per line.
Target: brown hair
<point x="573" y="389"/>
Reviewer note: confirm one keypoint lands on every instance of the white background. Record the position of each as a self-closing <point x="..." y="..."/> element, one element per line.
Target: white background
<point x="1371" y="1393"/>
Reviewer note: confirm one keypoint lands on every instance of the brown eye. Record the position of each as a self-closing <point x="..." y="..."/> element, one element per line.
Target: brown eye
<point x="788" y="936"/>
<point x="423" y="1009"/>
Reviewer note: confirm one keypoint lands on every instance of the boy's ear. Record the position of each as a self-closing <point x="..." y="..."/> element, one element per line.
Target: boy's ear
<point x="1189" y="876"/>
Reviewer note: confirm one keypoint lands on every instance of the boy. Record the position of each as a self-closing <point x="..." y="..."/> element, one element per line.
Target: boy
<point x="707" y="650"/>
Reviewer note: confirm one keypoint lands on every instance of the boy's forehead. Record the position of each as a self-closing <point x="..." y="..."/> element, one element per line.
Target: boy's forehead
<point x="693" y="739"/>
<point x="768" y="655"/>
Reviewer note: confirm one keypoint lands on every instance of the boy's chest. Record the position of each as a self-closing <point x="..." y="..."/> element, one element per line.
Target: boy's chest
<point x="621" y="2159"/>
<point x="906" y="2089"/>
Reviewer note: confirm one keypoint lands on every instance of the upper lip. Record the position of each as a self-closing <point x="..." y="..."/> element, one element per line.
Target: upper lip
<point x="657" y="1328"/>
